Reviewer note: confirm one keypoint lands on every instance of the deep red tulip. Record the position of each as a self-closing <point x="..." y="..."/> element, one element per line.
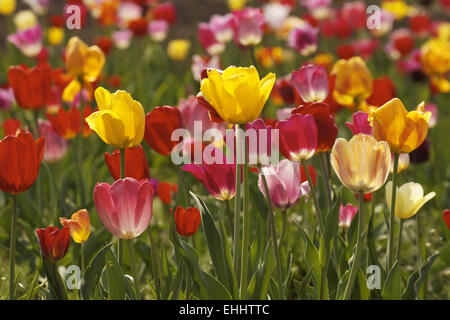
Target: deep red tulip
<point x="446" y="216"/>
<point x="136" y="165"/>
<point x="159" y="125"/>
<point x="54" y="242"/>
<point x="105" y="43"/>
<point x="367" y="197"/>
<point x="138" y="27"/>
<point x="166" y="191"/>
<point x="67" y="124"/>
<point x="345" y="51"/>
<point x="382" y="92"/>
<point x="326" y="126"/>
<point x="20" y="159"/>
<point x="31" y="86"/>
<point x="312" y="173"/>
<point x="420" y="24"/>
<point x="187" y="221"/>
<point x="10" y="126"/>
<point x="165" y="11"/>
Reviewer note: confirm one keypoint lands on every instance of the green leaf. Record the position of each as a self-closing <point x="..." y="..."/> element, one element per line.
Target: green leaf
<point x="116" y="280"/>
<point x="302" y="286"/>
<point x="56" y="284"/>
<point x="259" y="283"/>
<point x="330" y="231"/>
<point x="391" y="288"/>
<point x="364" y="291"/>
<point x="341" y="285"/>
<point x="416" y="279"/>
<point x="93" y="272"/>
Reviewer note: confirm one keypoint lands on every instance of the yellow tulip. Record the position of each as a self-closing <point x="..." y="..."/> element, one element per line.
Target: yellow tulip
<point x="403" y="163"/>
<point x="25" y="19"/>
<point x="236" y="4"/>
<point x="353" y="82"/>
<point x="120" y="121"/>
<point x="397" y="7"/>
<point x="84" y="61"/>
<point x="408" y="199"/>
<point x="79" y="225"/>
<point x="362" y="164"/>
<point x="178" y="49"/>
<point x="435" y="58"/>
<point x="404" y="131"/>
<point x="237" y="94"/>
<point x="55" y="35"/>
<point x="7" y="7"/>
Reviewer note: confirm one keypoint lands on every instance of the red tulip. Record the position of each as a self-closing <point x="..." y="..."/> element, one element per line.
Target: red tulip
<point x="159" y="125"/>
<point x="326" y="126"/>
<point x="10" y="126"/>
<point x="187" y="221"/>
<point x="446" y="216"/>
<point x="67" y="124"/>
<point x="20" y="159"/>
<point x="86" y="131"/>
<point x="136" y="165"/>
<point x="165" y="191"/>
<point x="420" y="24"/>
<point x="382" y="92"/>
<point x="165" y="11"/>
<point x="138" y="27"/>
<point x="31" y="86"/>
<point x="54" y="242"/>
<point x="105" y="43"/>
<point x="312" y="173"/>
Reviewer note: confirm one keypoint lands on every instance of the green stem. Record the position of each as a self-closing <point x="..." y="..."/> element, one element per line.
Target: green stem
<point x="326" y="178"/>
<point x="237" y="205"/>
<point x="283" y="227"/>
<point x="122" y="175"/>
<point x="38" y="179"/>
<point x="83" y="264"/>
<point x="12" y="248"/>
<point x="399" y="240"/>
<point x="156" y="264"/>
<point x="390" y="254"/>
<point x="133" y="266"/>
<point x="359" y="249"/>
<point x="313" y="196"/>
<point x="421" y="254"/>
<point x="246" y="227"/>
<point x="230" y="216"/>
<point x="273" y="233"/>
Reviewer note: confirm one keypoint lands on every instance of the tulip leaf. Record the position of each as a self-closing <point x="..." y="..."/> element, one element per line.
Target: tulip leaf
<point x="342" y="284"/>
<point x="116" y="280"/>
<point x="56" y="284"/>
<point x="416" y="279"/>
<point x="93" y="272"/>
<point x="302" y="286"/>
<point x="259" y="283"/>
<point x="391" y="288"/>
<point x="364" y="291"/>
<point x="329" y="233"/>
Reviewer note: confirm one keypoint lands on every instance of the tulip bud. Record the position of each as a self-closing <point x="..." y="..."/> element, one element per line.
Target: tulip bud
<point x="187" y="221"/>
<point x="54" y="242"/>
<point x="311" y="83"/>
<point x="79" y="225"/>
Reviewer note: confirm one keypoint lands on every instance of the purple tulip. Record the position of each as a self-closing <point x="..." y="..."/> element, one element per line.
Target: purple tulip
<point x="303" y="39"/>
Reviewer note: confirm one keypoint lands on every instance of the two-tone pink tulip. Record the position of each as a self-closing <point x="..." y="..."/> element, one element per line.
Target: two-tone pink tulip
<point x="248" y="26"/>
<point x="311" y="83"/>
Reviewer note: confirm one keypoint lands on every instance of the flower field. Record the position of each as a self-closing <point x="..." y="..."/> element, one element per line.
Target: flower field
<point x="258" y="150"/>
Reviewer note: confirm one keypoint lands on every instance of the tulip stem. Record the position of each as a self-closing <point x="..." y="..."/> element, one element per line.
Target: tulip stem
<point x="421" y="254"/>
<point x="38" y="179"/>
<point x="237" y="204"/>
<point x="390" y="255"/>
<point x="273" y="233"/>
<point x="133" y="266"/>
<point x="83" y="264"/>
<point x="122" y="163"/>
<point x="156" y="265"/>
<point x="326" y="178"/>
<point x="246" y="227"/>
<point x="359" y="248"/>
<point x="12" y="248"/>
<point x="313" y="196"/>
<point x="230" y="217"/>
<point x="399" y="242"/>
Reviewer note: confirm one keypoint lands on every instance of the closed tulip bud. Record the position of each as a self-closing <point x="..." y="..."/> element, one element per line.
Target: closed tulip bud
<point x="55" y="35"/>
<point x="311" y="83"/>
<point x="298" y="137"/>
<point x="178" y="49"/>
<point x="84" y="61"/>
<point x="67" y="124"/>
<point x="120" y="121"/>
<point x="187" y="221"/>
<point x="125" y="207"/>
<point x="404" y="131"/>
<point x="136" y="165"/>
<point x="53" y="242"/>
<point x="446" y="217"/>
<point x="7" y="7"/>
<point x="20" y="159"/>
<point x="237" y="94"/>
<point x="346" y="215"/>
<point x="362" y="164"/>
<point x="361" y="123"/>
<point x="353" y="82"/>
<point x="79" y="225"/>
<point x="409" y="199"/>
<point x="284" y="184"/>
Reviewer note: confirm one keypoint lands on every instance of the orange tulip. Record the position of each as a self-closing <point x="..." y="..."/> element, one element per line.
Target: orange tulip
<point x="79" y="225"/>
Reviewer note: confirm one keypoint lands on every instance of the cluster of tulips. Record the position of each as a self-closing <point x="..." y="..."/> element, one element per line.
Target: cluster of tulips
<point x="245" y="250"/>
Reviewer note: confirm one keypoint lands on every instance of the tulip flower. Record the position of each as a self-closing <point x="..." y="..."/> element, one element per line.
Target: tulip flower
<point x="409" y="199"/>
<point x="67" y="124"/>
<point x="79" y="225"/>
<point x="54" y="242"/>
<point x="187" y="221"/>
<point x="11" y="126"/>
<point x="404" y="131"/>
<point x="326" y="126"/>
<point x="31" y="86"/>
<point x="200" y="63"/>
<point x="6" y="98"/>
<point x="55" y="35"/>
<point x="20" y="159"/>
<point x="275" y="14"/>
<point x="127" y="12"/>
<point x="362" y="164"/>
<point x="166" y="191"/>
<point x="346" y="215"/>
<point x="83" y="61"/>
<point x="320" y="9"/>
<point x="122" y="38"/>
<point x="298" y="137"/>
<point x="431" y="107"/>
<point x="383" y="91"/>
<point x="139" y="27"/>
<point x="120" y="121"/>
<point x="125" y="207"/>
<point x="237" y="94"/>
<point x="403" y="162"/>
<point x="311" y="83"/>
<point x="28" y="41"/>
<point x="435" y="59"/>
<point x="178" y="49"/>
<point x="159" y="125"/>
<point x="218" y="178"/>
<point x="55" y="146"/>
<point x="38" y="6"/>
<point x="260" y="149"/>
<point x="446" y="217"/>
<point x="284" y="183"/>
<point x="353" y="82"/>
<point x="136" y="165"/>
<point x="222" y="27"/>
<point x="303" y="39"/>
<point x="361" y="123"/>
<point x="165" y="11"/>
<point x="157" y="29"/>
<point x="7" y="7"/>
<point x="248" y="26"/>
<point x="25" y="19"/>
<point x="208" y="40"/>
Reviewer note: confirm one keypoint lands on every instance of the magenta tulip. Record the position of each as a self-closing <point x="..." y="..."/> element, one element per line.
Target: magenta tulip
<point x="208" y="40"/>
<point x="346" y="215"/>
<point x="361" y="123"/>
<point x="311" y="83"/>
<point x="303" y="39"/>
<point x="284" y="183"/>
<point x="298" y="137"/>
<point x="248" y="26"/>
<point x="125" y="207"/>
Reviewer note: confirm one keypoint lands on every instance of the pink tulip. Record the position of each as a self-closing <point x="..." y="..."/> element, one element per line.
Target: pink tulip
<point x="55" y="146"/>
<point x="222" y="28"/>
<point x="122" y="38"/>
<point x="311" y="83"/>
<point x="125" y="207"/>
<point x="264" y="139"/>
<point x="28" y="41"/>
<point x="361" y="123"/>
<point x="319" y="9"/>
<point x="158" y="29"/>
<point x="6" y="98"/>
<point x="284" y="113"/>
<point x="248" y="26"/>
<point x="218" y="176"/>
<point x="303" y="39"/>
<point x="284" y="184"/>
<point x="208" y="40"/>
<point x="431" y="107"/>
<point x="127" y="12"/>
<point x="346" y="215"/>
<point x="298" y="137"/>
<point x="200" y="63"/>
